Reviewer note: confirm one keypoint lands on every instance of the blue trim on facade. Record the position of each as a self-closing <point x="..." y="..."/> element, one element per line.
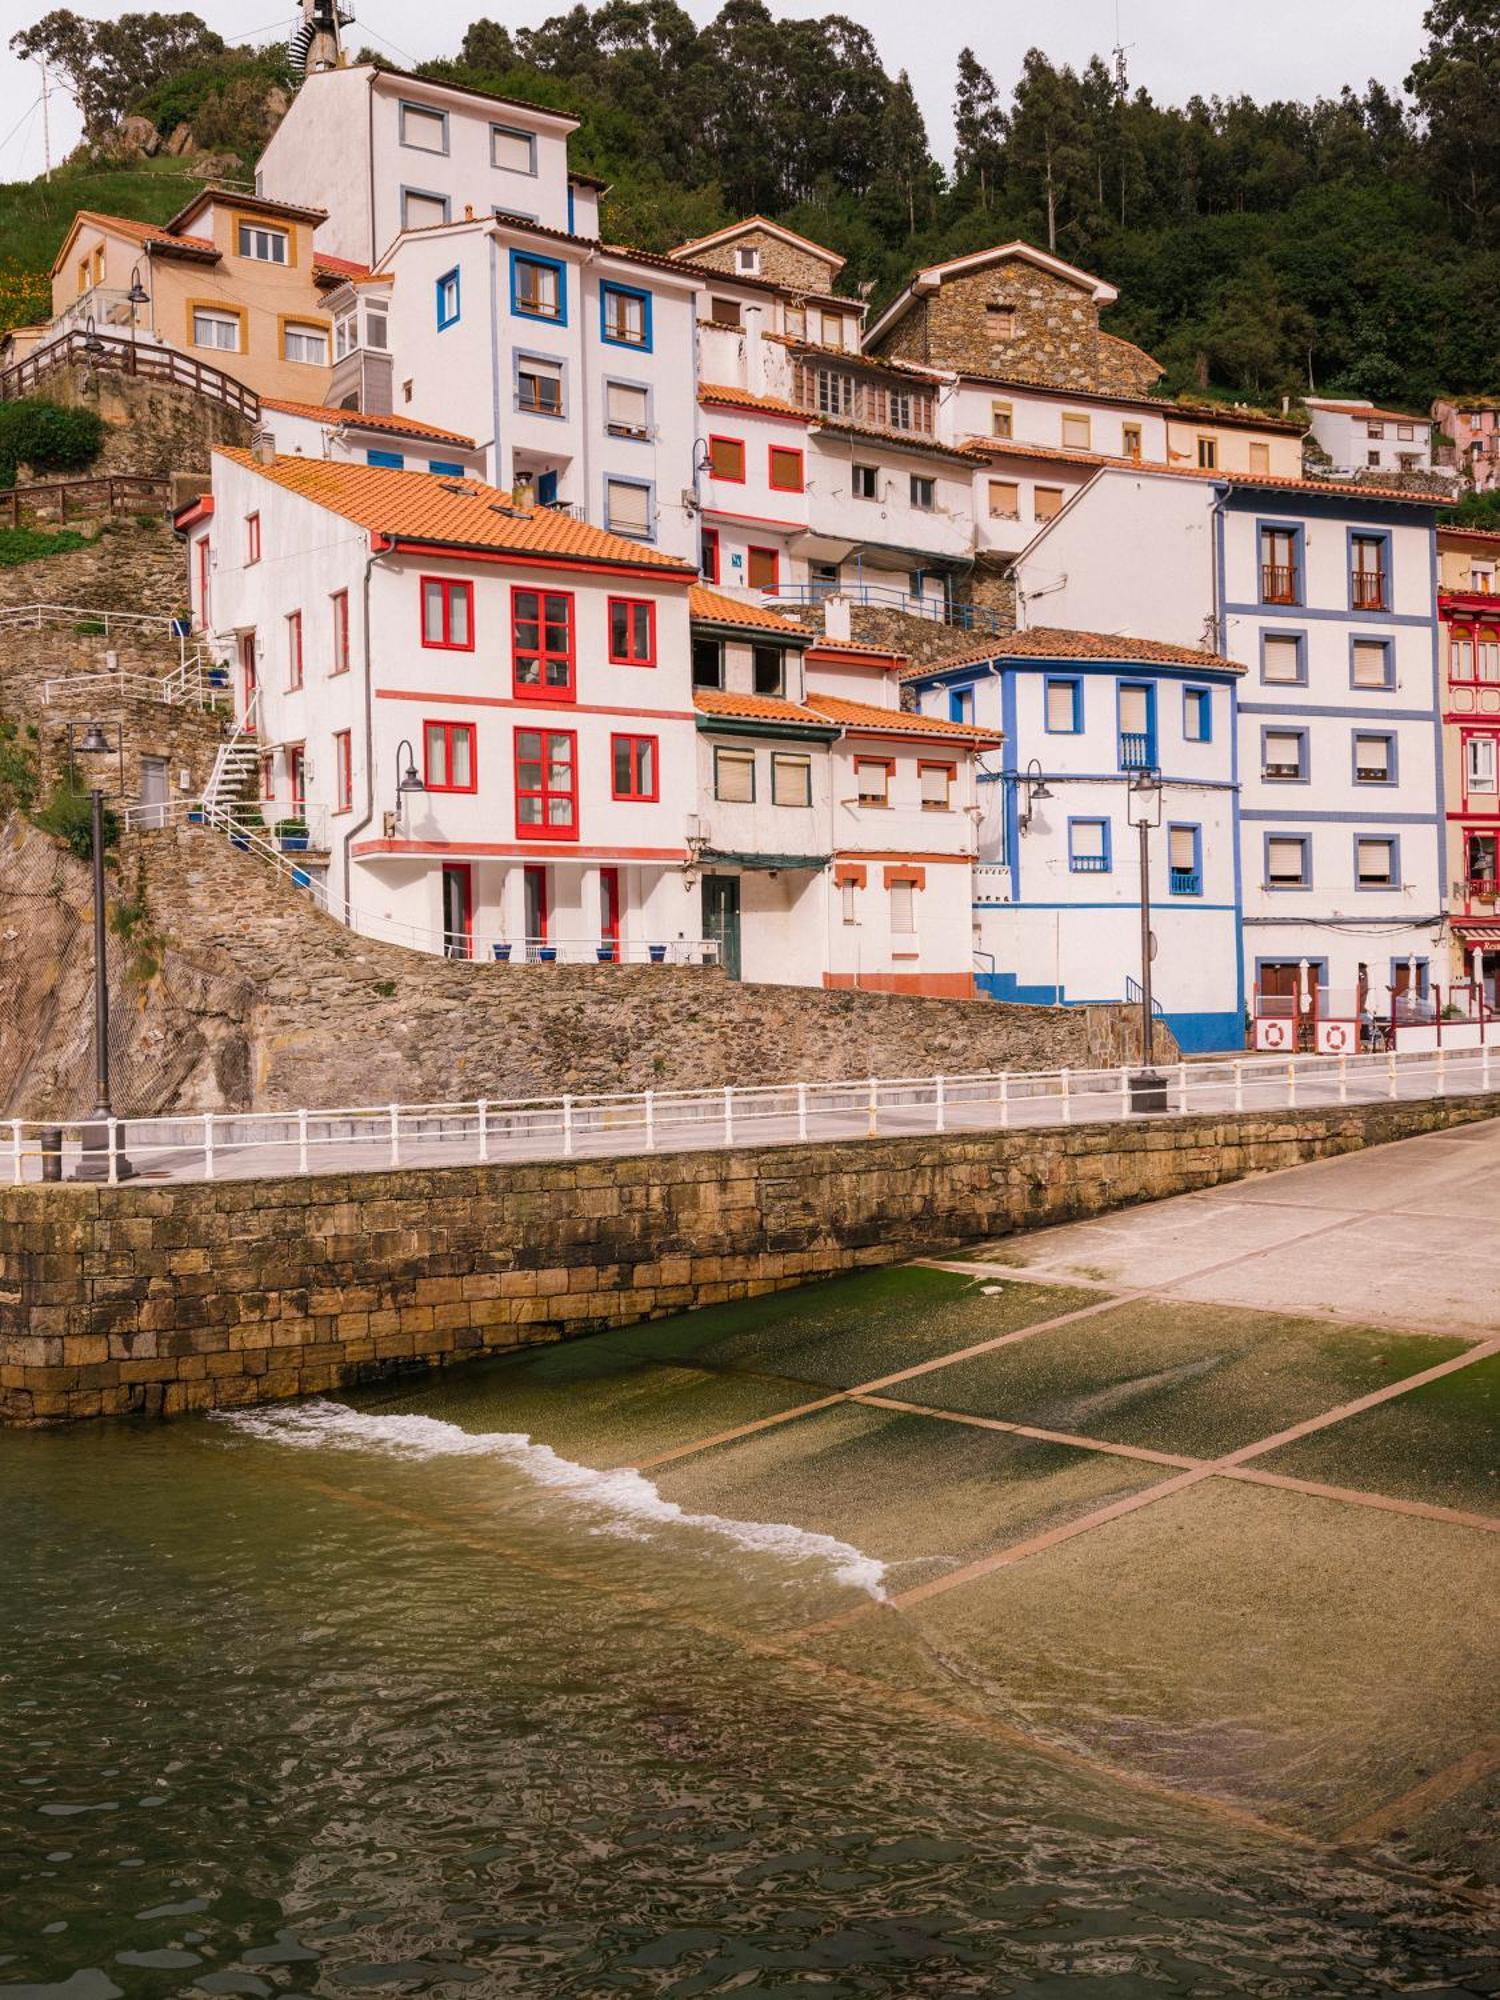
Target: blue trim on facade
<point x="1196" y="830"/>
<point x="1084" y="864"/>
<point x="1118" y="777"/>
<point x="1285" y="833"/>
<point x="1393" y="842"/>
<point x="1392" y="757"/>
<point x="1295" y="814"/>
<point x="1301" y="680"/>
<point x="1198" y="706"/>
<point x="1196" y="1034"/>
<point x="1387" y="686"/>
<point x="571" y="230"/>
<point x="1424" y="974"/>
<point x="648" y="487"/>
<point x="518" y="258"/>
<point x="1440" y="826"/>
<point x="1008" y="765"/>
<point x="1120" y="903"/>
<point x="391" y="460"/>
<point x="1298" y="612"/>
<point x="1234" y="832"/>
<point x="1370" y="715"/>
<point x="608" y="289"/>
<point x="1125" y="684"/>
<point x="446" y="288"/>
<point x="1072" y="682"/>
<point x="405" y="104"/>
<point x="448" y="466"/>
<point x="1387" y="569"/>
<point x="1304" y="755"/>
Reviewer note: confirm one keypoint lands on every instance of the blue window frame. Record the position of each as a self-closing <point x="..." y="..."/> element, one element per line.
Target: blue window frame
<point x="1288" y="860"/>
<point x="446" y="465"/>
<point x="1198" y="715"/>
<point x="1374" y="758"/>
<point x="1370" y="579"/>
<point x="1062" y="699"/>
<point x="1284" y="755"/>
<point x="538" y="287"/>
<point x="1283" y="658"/>
<point x="447" y="299"/>
<point x="391" y="459"/>
<point x="625" y="317"/>
<point x="1137" y="719"/>
<point x="1372" y="662"/>
<point x="1377" y="862"/>
<point x="961" y="704"/>
<point x="1185" y="859"/>
<point x="1280" y="562"/>
<point x="1089" y="847"/>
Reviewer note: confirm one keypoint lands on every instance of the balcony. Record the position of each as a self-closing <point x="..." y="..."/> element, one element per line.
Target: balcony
<point x="1137" y="751"/>
<point x="1279" y="584"/>
<point x="1088" y="864"/>
<point x="1367" y="590"/>
<point x="1478" y="889"/>
<point x="1185" y="882"/>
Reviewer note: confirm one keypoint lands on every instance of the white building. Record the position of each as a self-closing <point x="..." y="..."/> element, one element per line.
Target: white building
<point x="836" y="832"/>
<point x="570" y="364"/>
<point x="1058" y="880"/>
<point x="531" y="671"/>
<point x="1325" y="596"/>
<point x="1359" y="436"/>
<point x="383" y="151"/>
<point x="361" y="437"/>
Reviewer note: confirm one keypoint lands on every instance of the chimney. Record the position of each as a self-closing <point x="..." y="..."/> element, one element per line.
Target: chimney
<point x="838" y="627"/>
<point x="263" y="448"/>
<point x="468" y="211"/>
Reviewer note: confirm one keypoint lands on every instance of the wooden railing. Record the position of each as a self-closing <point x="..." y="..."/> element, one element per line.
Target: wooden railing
<point x="1278" y="583"/>
<point x="1367" y="589"/>
<point x="108" y="493"/>
<point x="129" y="357"/>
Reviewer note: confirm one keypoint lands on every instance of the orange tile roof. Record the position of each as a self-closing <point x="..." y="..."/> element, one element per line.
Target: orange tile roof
<point x="756" y="708"/>
<point x="449" y="512"/>
<point x="993" y="447"/>
<point x="1047" y="642"/>
<point x="713" y="608"/>
<point x="143" y="233"/>
<point x="726" y="392"/>
<point x="863" y="717"/>
<point x="1369" y="410"/>
<point x="339" y="267"/>
<point x="365" y="420"/>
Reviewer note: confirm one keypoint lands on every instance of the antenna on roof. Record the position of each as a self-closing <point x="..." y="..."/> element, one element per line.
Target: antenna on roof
<point x="1120" y="50"/>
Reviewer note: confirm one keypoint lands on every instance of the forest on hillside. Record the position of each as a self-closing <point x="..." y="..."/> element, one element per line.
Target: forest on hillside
<point x="1351" y="244"/>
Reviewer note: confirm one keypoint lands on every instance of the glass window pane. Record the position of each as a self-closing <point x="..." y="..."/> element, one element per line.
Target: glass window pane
<point x="460" y="768"/>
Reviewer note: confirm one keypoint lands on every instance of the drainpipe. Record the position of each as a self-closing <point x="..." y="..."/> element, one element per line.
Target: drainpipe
<point x="379" y="545"/>
<point x="1216" y="565"/>
<point x="370" y="159"/>
<point x="583" y="398"/>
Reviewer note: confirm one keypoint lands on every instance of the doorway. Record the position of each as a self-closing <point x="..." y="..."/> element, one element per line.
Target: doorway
<point x="458" y="910"/>
<point x="534" y="909"/>
<point x="247" y="668"/>
<point x="609" y="912"/>
<point x="721" y="919"/>
<point x="154" y="791"/>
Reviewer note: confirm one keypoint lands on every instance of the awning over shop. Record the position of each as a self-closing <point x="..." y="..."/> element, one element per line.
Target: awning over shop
<point x="777" y="863"/>
<point x="1479" y="930"/>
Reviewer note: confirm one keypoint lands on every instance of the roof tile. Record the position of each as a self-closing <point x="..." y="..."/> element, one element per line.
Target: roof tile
<point x="714" y="608"/>
<point x="865" y="716"/>
<point x="1047" y="642"/>
<point x="365" y="420"/>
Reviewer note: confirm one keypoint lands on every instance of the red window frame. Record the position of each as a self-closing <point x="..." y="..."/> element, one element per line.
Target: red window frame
<point x="708" y="555"/>
<point x="296" y="776"/>
<point x="886" y="764"/>
<point x="452" y="588"/>
<point x="729" y="478"/>
<point x="949" y="770"/>
<point x="632" y="607"/>
<point x="343" y="770"/>
<point x="634" y="747"/>
<point x="249" y="676"/>
<point x="774" y="556"/>
<point x="545" y="656"/>
<point x="546" y="828"/>
<point x="440" y="778"/>
<point x="783" y="451"/>
<point x="204" y="561"/>
<point x="267" y="779"/>
<point x="293" y="649"/>
<point x="340" y="606"/>
<point x="252" y="539"/>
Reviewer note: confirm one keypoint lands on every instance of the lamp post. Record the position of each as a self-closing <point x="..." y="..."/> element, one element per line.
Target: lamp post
<point x="95" y="1163"/>
<point x="1038" y="791"/>
<point x="407" y="779"/>
<point x="136" y="297"/>
<point x="1143" y="797"/>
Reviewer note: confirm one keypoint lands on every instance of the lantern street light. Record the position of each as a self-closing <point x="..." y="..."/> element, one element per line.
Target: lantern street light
<point x="102" y="1157"/>
<point x="136" y="297"/>
<point x="1143" y="799"/>
<point x="1038" y="791"/>
<point x="407" y="779"/>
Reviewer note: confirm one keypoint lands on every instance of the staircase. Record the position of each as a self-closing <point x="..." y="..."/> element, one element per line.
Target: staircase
<point x="232" y="791"/>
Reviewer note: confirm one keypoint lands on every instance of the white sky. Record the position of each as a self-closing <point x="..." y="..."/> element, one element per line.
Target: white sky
<point x="1275" y="48"/>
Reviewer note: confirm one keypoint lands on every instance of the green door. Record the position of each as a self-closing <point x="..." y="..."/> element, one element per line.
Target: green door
<point x="721" y="918"/>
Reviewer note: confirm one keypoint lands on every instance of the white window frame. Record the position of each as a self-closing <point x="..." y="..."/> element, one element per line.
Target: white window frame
<point x="217" y="316"/>
<point x="304" y="331"/>
<point x="267" y="234"/>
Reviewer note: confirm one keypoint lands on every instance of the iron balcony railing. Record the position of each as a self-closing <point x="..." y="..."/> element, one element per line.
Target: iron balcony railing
<point x="252" y="1145"/>
<point x="1367" y="590"/>
<point x="1278" y="584"/>
<point x="1088" y="864"/>
<point x="1137" y="751"/>
<point x="1186" y="882"/>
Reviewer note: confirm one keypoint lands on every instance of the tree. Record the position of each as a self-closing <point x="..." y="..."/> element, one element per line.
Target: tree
<point x="907" y="179"/>
<point x="1456" y="83"/>
<point x="1050" y="138"/>
<point x="979" y="123"/>
<point x="107" y="65"/>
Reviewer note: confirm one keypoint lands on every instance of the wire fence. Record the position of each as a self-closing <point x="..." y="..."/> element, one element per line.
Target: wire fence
<point x="248" y="1145"/>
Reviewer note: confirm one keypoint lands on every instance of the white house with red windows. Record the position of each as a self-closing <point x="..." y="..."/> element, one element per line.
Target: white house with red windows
<point x="836" y="832"/>
<point x="482" y="714"/>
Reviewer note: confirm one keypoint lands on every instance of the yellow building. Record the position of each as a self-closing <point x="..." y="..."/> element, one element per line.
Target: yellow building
<point x="232" y="279"/>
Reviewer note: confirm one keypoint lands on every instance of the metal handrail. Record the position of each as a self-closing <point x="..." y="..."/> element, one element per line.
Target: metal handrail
<point x="267" y="1144"/>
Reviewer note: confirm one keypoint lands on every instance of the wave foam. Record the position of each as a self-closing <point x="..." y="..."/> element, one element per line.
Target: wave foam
<point x="629" y="1498"/>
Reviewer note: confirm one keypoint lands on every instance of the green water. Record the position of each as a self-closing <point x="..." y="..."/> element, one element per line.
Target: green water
<point x="385" y="1699"/>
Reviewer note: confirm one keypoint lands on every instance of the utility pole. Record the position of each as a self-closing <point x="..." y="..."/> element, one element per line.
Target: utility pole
<point x="46" y="124"/>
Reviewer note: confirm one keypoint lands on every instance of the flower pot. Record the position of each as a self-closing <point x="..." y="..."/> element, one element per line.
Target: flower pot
<point x="502" y="954"/>
<point x="240" y="840"/>
<point x="294" y="843"/>
<point x="195" y="815"/>
<point x="547" y="954"/>
<point x="301" y="879"/>
<point x="658" y="953"/>
<point x="605" y="954"/>
<point x="182" y="628"/>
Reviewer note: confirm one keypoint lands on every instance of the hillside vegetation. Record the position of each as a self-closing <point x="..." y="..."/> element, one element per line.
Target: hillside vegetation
<point x="1352" y="243"/>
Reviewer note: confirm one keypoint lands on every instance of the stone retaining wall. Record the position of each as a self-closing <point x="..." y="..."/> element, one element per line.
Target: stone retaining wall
<point x="172" y="1298"/>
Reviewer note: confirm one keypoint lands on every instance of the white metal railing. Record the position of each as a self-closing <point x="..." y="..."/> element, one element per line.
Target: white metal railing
<point x="39" y="614"/>
<point x="195" y="682"/>
<point x="248" y="1145"/>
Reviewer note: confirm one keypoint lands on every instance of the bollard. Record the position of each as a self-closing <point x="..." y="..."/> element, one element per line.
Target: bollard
<point x="484" y="1130"/>
<point x="939" y="1105"/>
<point x="1067" y="1097"/>
<point x="1239" y="1086"/>
<point x="801" y="1110"/>
<point x="51" y="1144"/>
<point x="874" y="1103"/>
<point x="17" y="1154"/>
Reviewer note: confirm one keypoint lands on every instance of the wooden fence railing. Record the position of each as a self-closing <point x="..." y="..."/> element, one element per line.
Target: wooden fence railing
<point x="129" y="357"/>
<point x="88" y="495"/>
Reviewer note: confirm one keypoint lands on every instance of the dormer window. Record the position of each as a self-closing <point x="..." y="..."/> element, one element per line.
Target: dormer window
<point x="1001" y="321"/>
<point x="266" y="246"/>
<point x="747" y="259"/>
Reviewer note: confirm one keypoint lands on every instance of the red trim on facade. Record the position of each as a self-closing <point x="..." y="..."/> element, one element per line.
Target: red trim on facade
<point x="452" y="588"/>
<point x="293" y="651"/>
<point x="910" y="872"/>
<point x="757" y="520"/>
<point x="449" y="731"/>
<point x="339" y="604"/>
<point x="773" y="556"/>
<point x="708" y="555"/>
<point x="728" y="478"/>
<point x="343" y="770"/>
<point x="631" y="607"/>
<point x="848" y="872"/>
<point x="638" y="747"/>
<point x="775" y="451"/>
<point x="526" y="559"/>
<point x="521" y="850"/>
<point x="894" y="854"/>
<point x="544" y="792"/>
<point x="252" y="539"/>
<point x="555" y="693"/>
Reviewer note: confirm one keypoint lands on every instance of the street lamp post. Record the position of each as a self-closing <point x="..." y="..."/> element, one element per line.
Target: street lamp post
<point x="136" y="297"/>
<point x="99" y="1137"/>
<point x="1143" y="798"/>
<point x="1037" y="793"/>
<point x="407" y="779"/>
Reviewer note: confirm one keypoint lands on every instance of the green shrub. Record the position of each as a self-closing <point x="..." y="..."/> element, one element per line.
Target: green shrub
<point x="69" y="817"/>
<point x="18" y="772"/>
<point x="48" y="437"/>
<point x="24" y="545"/>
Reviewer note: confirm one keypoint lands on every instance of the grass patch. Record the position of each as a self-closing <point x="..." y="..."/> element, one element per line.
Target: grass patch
<point x="34" y="215"/>
<point x="24" y="545"/>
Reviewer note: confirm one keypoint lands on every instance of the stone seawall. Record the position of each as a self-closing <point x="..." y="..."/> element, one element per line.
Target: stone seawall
<point x="172" y="1298"/>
